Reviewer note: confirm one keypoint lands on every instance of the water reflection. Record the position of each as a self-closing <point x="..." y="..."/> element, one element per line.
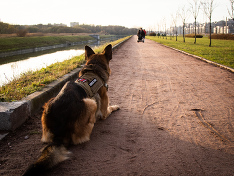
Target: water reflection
<point x="16" y="58"/>
<point x="13" y="70"/>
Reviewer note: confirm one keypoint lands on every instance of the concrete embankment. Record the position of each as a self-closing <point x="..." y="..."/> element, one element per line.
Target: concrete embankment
<point x="33" y="50"/>
<point x="14" y="114"/>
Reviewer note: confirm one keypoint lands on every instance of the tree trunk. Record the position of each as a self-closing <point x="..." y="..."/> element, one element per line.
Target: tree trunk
<point x="195" y="31"/>
<point x="210" y="32"/>
<point x="183" y="31"/>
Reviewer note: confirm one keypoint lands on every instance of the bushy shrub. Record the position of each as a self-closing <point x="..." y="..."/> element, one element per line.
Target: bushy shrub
<point x="222" y="36"/>
<point x="152" y="34"/>
<point x="193" y="35"/>
<point x="21" y="32"/>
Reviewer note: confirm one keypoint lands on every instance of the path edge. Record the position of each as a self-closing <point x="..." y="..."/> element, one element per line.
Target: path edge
<point x="200" y="58"/>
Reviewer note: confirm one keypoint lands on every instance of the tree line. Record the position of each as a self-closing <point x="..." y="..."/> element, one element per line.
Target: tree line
<point x="195" y="6"/>
<point x="6" y="28"/>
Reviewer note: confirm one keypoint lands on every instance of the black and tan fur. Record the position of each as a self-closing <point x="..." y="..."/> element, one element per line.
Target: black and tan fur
<point x="69" y="117"/>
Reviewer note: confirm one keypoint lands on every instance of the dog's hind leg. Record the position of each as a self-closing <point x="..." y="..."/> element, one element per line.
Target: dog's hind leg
<point x="85" y="126"/>
<point x="47" y="136"/>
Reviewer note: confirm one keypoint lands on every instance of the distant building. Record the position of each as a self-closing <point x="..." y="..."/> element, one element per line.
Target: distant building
<point x="220" y="27"/>
<point x="61" y="24"/>
<point x="72" y="24"/>
<point x="230" y="24"/>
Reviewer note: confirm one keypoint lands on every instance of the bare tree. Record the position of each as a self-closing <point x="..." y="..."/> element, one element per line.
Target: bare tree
<point x="208" y="7"/>
<point x="164" y="25"/>
<point x="195" y="6"/>
<point x="184" y="14"/>
<point x="174" y="19"/>
<point x="231" y="11"/>
<point x="159" y="30"/>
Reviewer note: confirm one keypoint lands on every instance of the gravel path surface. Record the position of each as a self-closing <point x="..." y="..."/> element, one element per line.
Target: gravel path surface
<point x="176" y="118"/>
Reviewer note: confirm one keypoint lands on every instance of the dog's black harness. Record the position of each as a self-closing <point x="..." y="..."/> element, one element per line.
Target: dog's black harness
<point x="91" y="83"/>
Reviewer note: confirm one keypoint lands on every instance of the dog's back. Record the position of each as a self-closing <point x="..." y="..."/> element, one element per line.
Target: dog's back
<point x="61" y="113"/>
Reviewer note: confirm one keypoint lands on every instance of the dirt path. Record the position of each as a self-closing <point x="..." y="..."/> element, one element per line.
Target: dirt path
<point x="176" y="118"/>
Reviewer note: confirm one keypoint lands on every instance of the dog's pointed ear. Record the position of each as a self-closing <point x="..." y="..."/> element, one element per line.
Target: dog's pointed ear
<point x="108" y="52"/>
<point x="88" y="52"/>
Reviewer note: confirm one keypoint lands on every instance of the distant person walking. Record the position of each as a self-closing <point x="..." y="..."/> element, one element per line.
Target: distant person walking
<point x="144" y="32"/>
<point x="141" y="35"/>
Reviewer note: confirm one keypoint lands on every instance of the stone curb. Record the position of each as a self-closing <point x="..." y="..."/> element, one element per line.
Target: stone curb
<point x="201" y="58"/>
<point x="14" y="114"/>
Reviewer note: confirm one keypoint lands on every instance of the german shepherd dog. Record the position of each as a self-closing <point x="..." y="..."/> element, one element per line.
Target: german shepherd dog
<point x="69" y="117"/>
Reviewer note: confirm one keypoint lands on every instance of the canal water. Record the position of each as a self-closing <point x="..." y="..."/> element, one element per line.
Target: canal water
<point x="13" y="67"/>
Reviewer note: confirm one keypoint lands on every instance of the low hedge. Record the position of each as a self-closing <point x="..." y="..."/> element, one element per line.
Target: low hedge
<point x="193" y="35"/>
<point x="152" y="34"/>
<point x="222" y="36"/>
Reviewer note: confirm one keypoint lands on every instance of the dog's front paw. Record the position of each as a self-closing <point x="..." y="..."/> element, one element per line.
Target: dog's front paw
<point x="110" y="109"/>
<point x="115" y="107"/>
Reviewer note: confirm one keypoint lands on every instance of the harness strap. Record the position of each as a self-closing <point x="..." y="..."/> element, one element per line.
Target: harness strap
<point x="91" y="83"/>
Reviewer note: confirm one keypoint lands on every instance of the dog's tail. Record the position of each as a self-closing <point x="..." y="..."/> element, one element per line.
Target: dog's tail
<point x="50" y="156"/>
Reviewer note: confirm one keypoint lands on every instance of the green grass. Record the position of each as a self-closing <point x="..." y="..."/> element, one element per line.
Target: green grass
<point x="17" y="43"/>
<point x="221" y="51"/>
<point x="33" y="81"/>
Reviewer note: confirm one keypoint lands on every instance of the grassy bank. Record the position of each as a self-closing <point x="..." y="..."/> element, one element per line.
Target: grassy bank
<point x="17" y="43"/>
<point x="221" y="51"/>
<point x="33" y="81"/>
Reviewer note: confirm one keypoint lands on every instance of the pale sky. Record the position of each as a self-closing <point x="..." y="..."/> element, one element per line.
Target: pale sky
<point x="129" y="13"/>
